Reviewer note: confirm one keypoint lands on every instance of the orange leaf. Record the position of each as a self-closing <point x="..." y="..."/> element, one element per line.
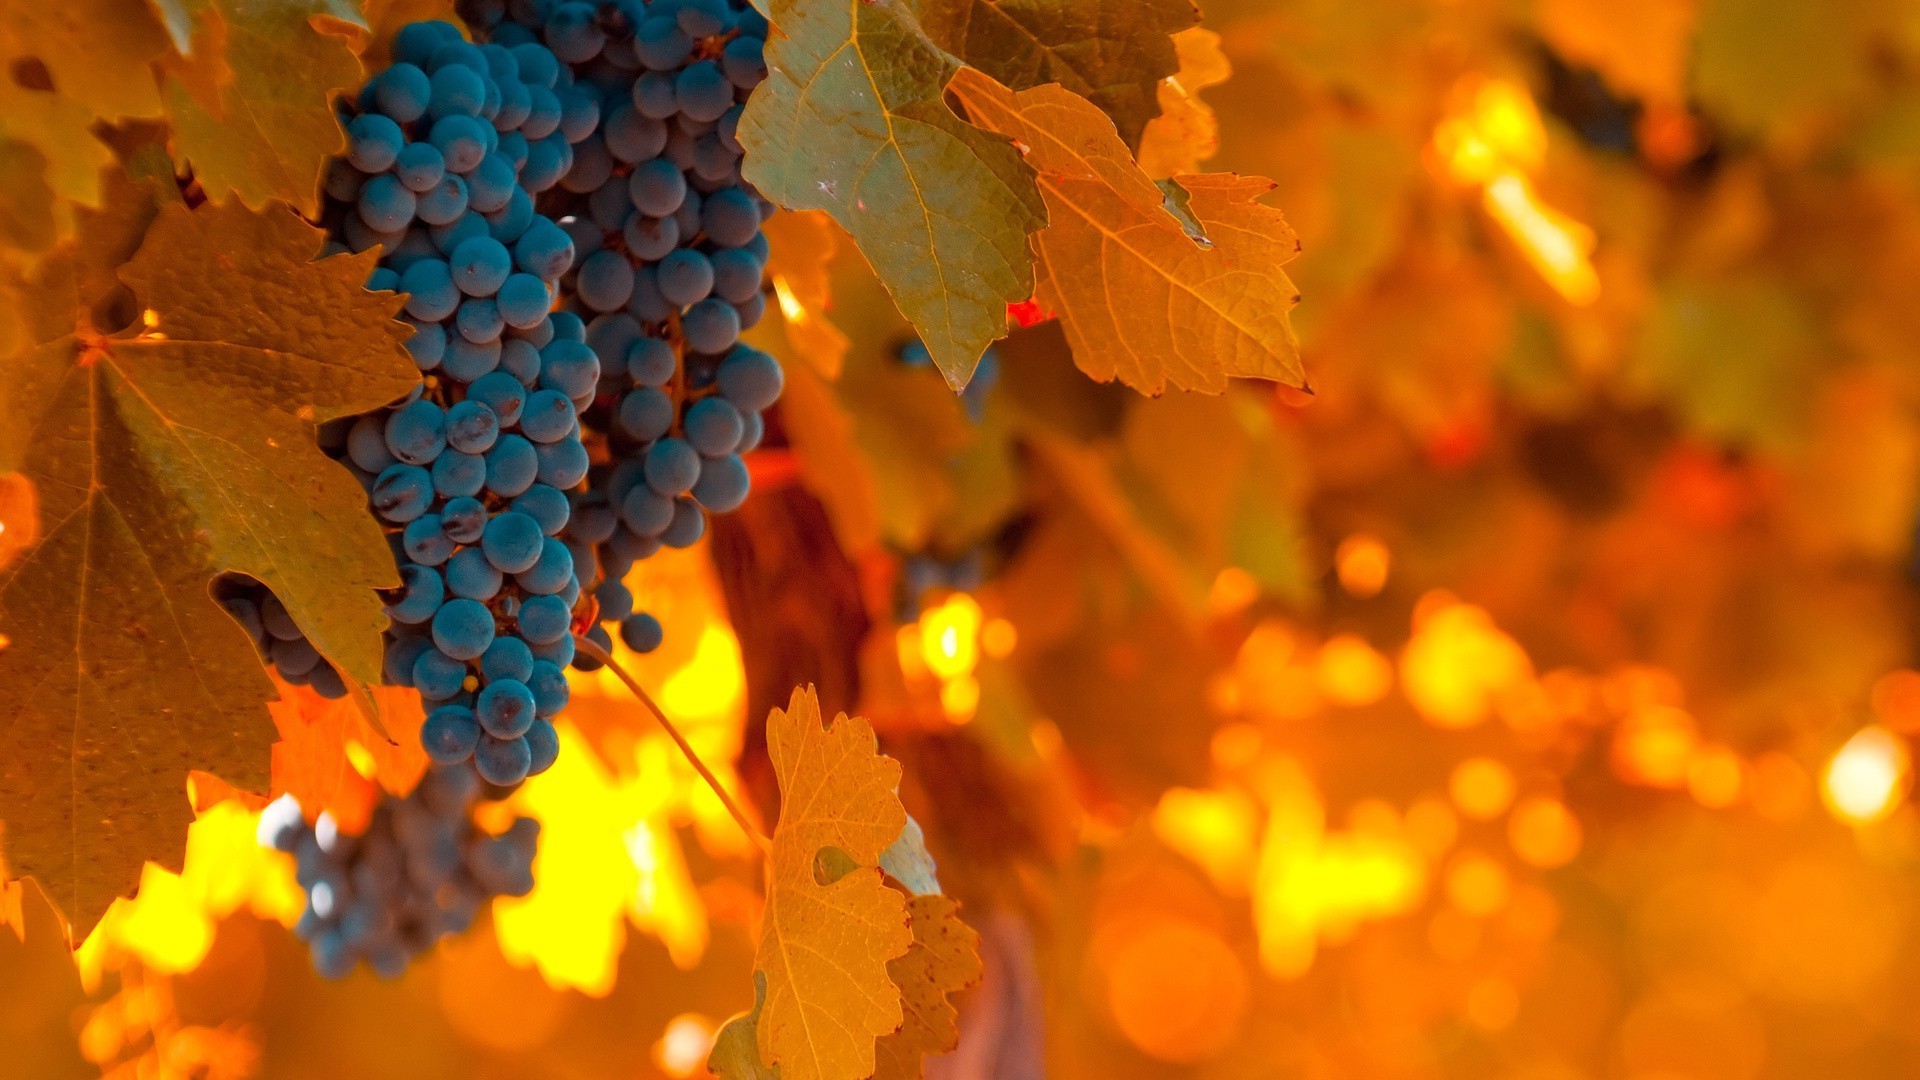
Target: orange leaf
<point x="831" y="923"/>
<point x="1186" y="132"/>
<point x="19" y="516"/>
<point x="803" y="244"/>
<point x="332" y="760"/>
<point x="944" y="959"/>
<point x="1139" y="298"/>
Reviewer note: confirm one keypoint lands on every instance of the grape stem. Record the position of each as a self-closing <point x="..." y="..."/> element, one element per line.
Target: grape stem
<point x="593" y="649"/>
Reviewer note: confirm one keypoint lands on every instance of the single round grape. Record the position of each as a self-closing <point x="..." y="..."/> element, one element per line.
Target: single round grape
<point x="549" y="686"/>
<point x="551" y="573"/>
<point x="457" y="475"/>
<point x="425" y="542"/>
<point x="579" y="112"/>
<point x="641" y="632"/>
<point x="401" y="493"/>
<point x="431" y="294"/>
<point x="568" y="325"/>
<point x="468" y="360"/>
<point x="373" y="142"/>
<point x="685" y="277"/>
<point x="417" y="432"/>
<point x="490" y="185"/>
<point x="472" y="426"/>
<point x="736" y="274"/>
<point x="544" y="619"/>
<point x="512" y="541"/>
<point x="688" y="216"/>
<point x="523" y="300"/>
<point x="688" y="525"/>
<point x="543" y="113"/>
<point x="400" y="658"/>
<point x="520" y="356"/>
<point x="508" y="223"/>
<point x="570" y="367"/>
<point x="749" y="378"/>
<point x="546" y="505"/>
<point x="502" y="762"/>
<point x="704" y="18"/>
<point x="650" y="362"/>
<point x="558" y="652"/>
<point x="437" y="675"/>
<point x="608" y="338"/>
<point x="457" y="91"/>
<point x="386" y="204"/>
<point x="549" y="416"/>
<point x="275" y="619"/>
<point x="672" y="466"/>
<point x="744" y="61"/>
<point x="650" y="238"/>
<point x="633" y="138"/>
<point x="713" y="426"/>
<point x="645" y="414"/>
<point x="448" y="236"/>
<point x="422" y="595"/>
<point x="605" y="281"/>
<point x="730" y="217"/>
<point x="480" y="265"/>
<point x="505" y="708"/>
<point x="593" y="522"/>
<point x="657" y="187"/>
<point x="755" y="429"/>
<point x="450" y="734"/>
<point x="428" y="345"/>
<point x="463" y="518"/>
<point x="402" y="92"/>
<point x="445" y="203"/>
<point x="703" y="90"/>
<point x="563" y="464"/>
<point x="646" y="512"/>
<point x="511" y="466"/>
<point x="342" y="181"/>
<point x="723" y="484"/>
<point x="547" y="161"/>
<point x="470" y="576"/>
<point x="647" y="305"/>
<point x="295" y="659"/>
<point x="502" y="396"/>
<point x="538" y="65"/>
<point x="461" y="140"/>
<point x="515" y="103"/>
<point x="419" y="167"/>
<point x="543" y="747"/>
<point x="367" y="444"/>
<point x="544" y="250"/>
<point x="711" y="326"/>
<point x="463" y="628"/>
<point x="507" y="658"/>
<point x="597" y="635"/>
<point x="592" y="166"/>
<point x="751" y="310"/>
<point x="479" y="321"/>
<point x="653" y="96"/>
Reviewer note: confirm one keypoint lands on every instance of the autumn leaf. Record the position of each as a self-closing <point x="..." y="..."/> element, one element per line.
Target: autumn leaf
<point x="831" y="922"/>
<point x="851" y="121"/>
<point x="95" y="52"/>
<point x="943" y="960"/>
<point x="802" y="245"/>
<point x="1186" y="132"/>
<point x="1139" y="299"/>
<point x="320" y="738"/>
<point x="1114" y="53"/>
<point x="163" y="454"/>
<point x="19" y="516"/>
<point x="274" y="127"/>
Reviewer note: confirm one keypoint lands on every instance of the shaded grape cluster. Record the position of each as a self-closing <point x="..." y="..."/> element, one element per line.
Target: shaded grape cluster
<point x="277" y="636"/>
<point x="420" y="871"/>
<point x="670" y="271"/>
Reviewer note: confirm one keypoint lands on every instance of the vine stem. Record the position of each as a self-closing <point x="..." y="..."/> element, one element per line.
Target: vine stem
<point x="593" y="649"/>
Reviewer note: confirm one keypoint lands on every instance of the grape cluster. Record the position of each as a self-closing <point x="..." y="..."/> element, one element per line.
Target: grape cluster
<point x="470" y="474"/>
<point x="276" y="635"/>
<point x="419" y="872"/>
<point x="670" y="269"/>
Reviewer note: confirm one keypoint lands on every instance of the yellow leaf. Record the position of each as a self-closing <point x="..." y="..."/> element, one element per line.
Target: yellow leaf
<point x="1186" y="132"/>
<point x="831" y="924"/>
<point x="803" y="244"/>
<point x="96" y="52"/>
<point x="1139" y="299"/>
<point x="944" y="959"/>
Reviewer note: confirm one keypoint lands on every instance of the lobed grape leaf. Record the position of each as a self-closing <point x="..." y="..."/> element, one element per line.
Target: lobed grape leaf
<point x="851" y="121"/>
<point x="1114" y="53"/>
<point x="164" y="453"/>
<point x="943" y="960"/>
<point x="1138" y="298"/>
<point x="314" y="763"/>
<point x="831" y="922"/>
<point x="255" y="117"/>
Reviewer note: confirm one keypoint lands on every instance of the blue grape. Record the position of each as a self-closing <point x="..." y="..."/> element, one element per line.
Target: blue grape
<point x="653" y="96"/>
<point x="567" y="325"/>
<point x="367" y="445"/>
<point x="502" y="762"/>
<point x="723" y="484"/>
<point x="425" y="542"/>
<point x="570" y="367"/>
<point x="420" y="166"/>
<point x="507" y="658"/>
<point x="703" y="90"/>
<point x="450" y="734"/>
<point x="515" y="103"/>
<point x="461" y="140"/>
<point x="511" y="466"/>
<point x="523" y="300"/>
<point x="704" y="18"/>
<point x="660" y="44"/>
<point x="579" y="112"/>
<point x="558" y="652"/>
<point x="651" y="362"/>
<point x="463" y="628"/>
<point x="520" y="355"/>
<point x="445" y="202"/>
<point x="645" y="414"/>
<point x="512" y="541"/>
<point x="500" y="393"/>
<point x="470" y="576"/>
<point x="750" y="379"/>
<point x="423" y="594"/>
<point x="647" y="305"/>
<point x="605" y="281"/>
<point x="448" y="236"/>
<point x="491" y="184"/>
<point x="685" y="277"/>
<point x="593" y="523"/>
<point x="562" y="464"/>
<point x="551" y="573"/>
<point x="729" y="217"/>
<point x="417" y="432"/>
<point x="744" y="61"/>
<point x="646" y="512"/>
<point x="688" y="525"/>
<point x="711" y="326"/>
<point x="386" y="204"/>
<point x="672" y="466"/>
<point x="538" y="66"/>
<point x="343" y="181"/>
<point x="544" y="619"/>
<point x="755" y="429"/>
<point x="480" y="265"/>
<point x="549" y="686"/>
<point x="472" y="427"/>
<point x="657" y="187"/>
<point x="401" y="493"/>
<point x="549" y="416"/>
<point x="713" y="426"/>
<point x="463" y="518"/>
<point x="373" y="142"/>
<point x="546" y="505"/>
<point x="633" y="138"/>
<point x="432" y="295"/>
<point x="592" y="165"/>
<point x="458" y="91"/>
<point x="751" y="310"/>
<point x="642" y="632"/>
<point x="508" y="223"/>
<point x="544" y="250"/>
<point x="650" y="238"/>
<point x="505" y="708"/>
<point x="468" y="360"/>
<point x="479" y="321"/>
<point x="543" y="747"/>
<point x="438" y="676"/>
<point x="457" y="475"/>
<point x="543" y="113"/>
<point x="402" y="92"/>
<point x="428" y="345"/>
<point x="736" y="274"/>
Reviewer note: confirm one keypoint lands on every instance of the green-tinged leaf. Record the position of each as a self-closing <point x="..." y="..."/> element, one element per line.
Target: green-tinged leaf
<point x="163" y="454"/>
<point x="1734" y="358"/>
<point x="1139" y="299"/>
<point x="908" y="862"/>
<point x="276" y="78"/>
<point x="1111" y="52"/>
<point x="736" y="1051"/>
<point x="851" y="121"/>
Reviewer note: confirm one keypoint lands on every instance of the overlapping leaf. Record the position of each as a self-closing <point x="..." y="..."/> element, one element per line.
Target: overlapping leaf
<point x="1139" y="299"/>
<point x="851" y="121"/>
<point x="1114" y="53"/>
<point x="944" y="959"/>
<point x="1186" y="132"/>
<point x="163" y="454"/>
<point x="314" y="760"/>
